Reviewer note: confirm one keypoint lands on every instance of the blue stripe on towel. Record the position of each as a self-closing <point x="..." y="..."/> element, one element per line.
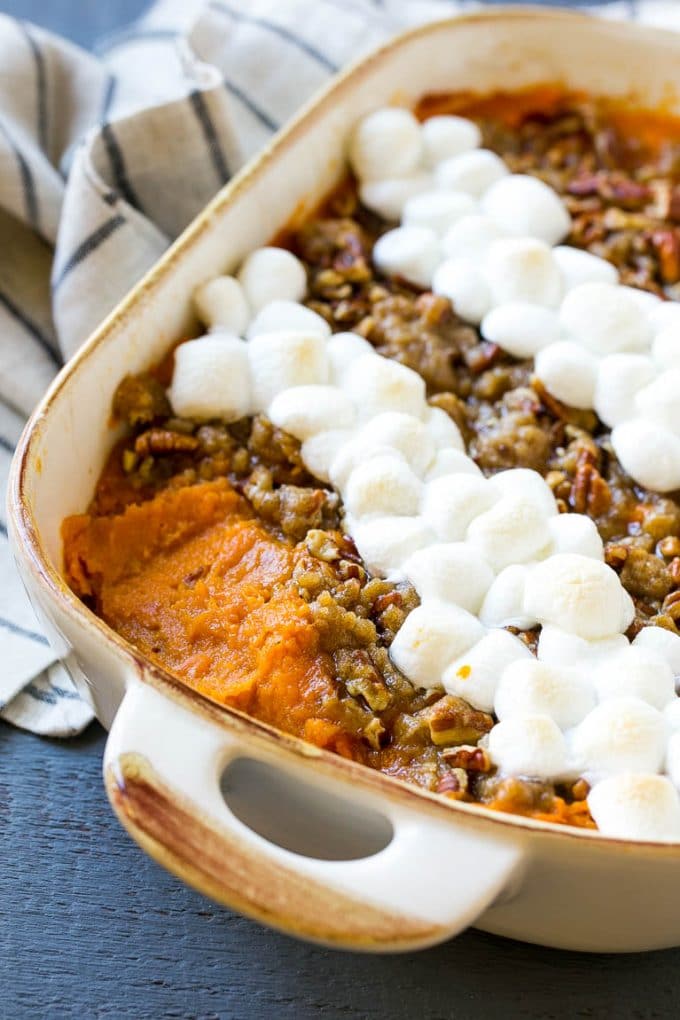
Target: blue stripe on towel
<point x="41" y="82"/>
<point x="200" y="108"/>
<point x="280" y="30"/>
<point x="14" y="628"/>
<point x="30" y="326"/>
<point x="257" y="111"/>
<point x="86" y="247"/>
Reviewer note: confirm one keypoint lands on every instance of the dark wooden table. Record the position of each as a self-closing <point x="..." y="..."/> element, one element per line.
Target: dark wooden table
<point x="91" y="928"/>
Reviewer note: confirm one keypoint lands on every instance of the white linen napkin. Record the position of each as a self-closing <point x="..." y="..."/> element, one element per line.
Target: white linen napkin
<point x="103" y="160"/>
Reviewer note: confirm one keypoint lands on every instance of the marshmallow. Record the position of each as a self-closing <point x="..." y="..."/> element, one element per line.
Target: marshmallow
<point x="320" y="450"/>
<point x="471" y="238"/>
<point x="503" y="605"/>
<point x="671" y="712"/>
<point x="520" y="328"/>
<point x="620" y="735"/>
<point x="514" y="530"/>
<point x="644" y="299"/>
<point x="464" y="285"/>
<point x="579" y="267"/>
<point x="450" y="572"/>
<point x="284" y="359"/>
<point x="524" y="206"/>
<point x="272" y="274"/>
<point x="442" y="430"/>
<point x="448" y="136"/>
<point x="528" y="484"/>
<point x="452" y="502"/>
<point x="529" y="687"/>
<point x="665" y="315"/>
<point x="474" y="675"/>
<point x="343" y="349"/>
<point x="410" y="252"/>
<point x="305" y="411"/>
<point x="388" y="197"/>
<point x="431" y="636"/>
<point x="666" y="347"/>
<point x="559" y="646"/>
<point x="404" y="433"/>
<point x="472" y="172"/>
<point x="576" y="533"/>
<point x="523" y="269"/>
<point x="378" y="384"/>
<point x="673" y="759"/>
<point x="619" y="377"/>
<point x="569" y="372"/>
<point x="659" y="400"/>
<point x="221" y="304"/>
<point x="579" y="594"/>
<point x="384" y="485"/>
<point x="278" y="315"/>
<point x="385" y="543"/>
<point x="529" y="745"/>
<point x="631" y="806"/>
<point x="638" y="672"/>
<point x="604" y="318"/>
<point x="388" y="139"/>
<point x="649" y="453"/>
<point x="211" y="379"/>
<point x="664" y="642"/>
<point x="437" y="210"/>
<point x="451" y="462"/>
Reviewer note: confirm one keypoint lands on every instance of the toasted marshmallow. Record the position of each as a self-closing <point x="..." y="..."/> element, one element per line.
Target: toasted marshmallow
<point x="636" y="806"/>
<point x="211" y="379"/>
<point x="382" y="486"/>
<point x="520" y="328"/>
<point x="451" y="462"/>
<point x="305" y="411"/>
<point x="526" y="207"/>
<point x="576" y="533"/>
<point x="659" y="401"/>
<point x="463" y="283"/>
<point x="619" y="378"/>
<point x="503" y="604"/>
<point x="672" y="764"/>
<point x="664" y="642"/>
<point x="279" y="315"/>
<point x="605" y="319"/>
<point x="514" y="530"/>
<point x="320" y="450"/>
<point x="389" y="139"/>
<point x="470" y="238"/>
<point x="561" y="647"/>
<point x="528" y="484"/>
<point x="449" y="572"/>
<point x="620" y="735"/>
<point x="649" y="453"/>
<point x="452" y="502"/>
<point x="431" y="636"/>
<point x="343" y="349"/>
<point x="437" y="210"/>
<point x="221" y="305"/>
<point x="671" y="712"/>
<point x="579" y="594"/>
<point x="284" y="359"/>
<point x="666" y="346"/>
<point x="638" y="672"/>
<point x="472" y="172"/>
<point x="272" y="274"/>
<point x="448" y="136"/>
<point x="523" y="269"/>
<point x="529" y="745"/>
<point x="529" y="687"/>
<point x="578" y="266"/>
<point x="474" y="675"/>
<point x="404" y="433"/>
<point x="388" y="197"/>
<point x="410" y="252"/>
<point x="385" y="543"/>
<point x="442" y="430"/>
<point x="378" y="384"/>
<point x="569" y="372"/>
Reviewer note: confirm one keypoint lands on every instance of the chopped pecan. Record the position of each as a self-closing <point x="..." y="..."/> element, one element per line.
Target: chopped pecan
<point x="670" y="546"/>
<point x="667" y="245"/>
<point x="645" y="575"/>
<point x="615" y="555"/>
<point x="590" y="493"/>
<point x="472" y="759"/>
<point x="452" y="721"/>
<point x="159" y="441"/>
<point x="454" y="783"/>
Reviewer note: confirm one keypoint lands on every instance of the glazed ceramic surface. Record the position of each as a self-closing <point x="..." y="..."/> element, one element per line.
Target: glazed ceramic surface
<point x="300" y="839"/>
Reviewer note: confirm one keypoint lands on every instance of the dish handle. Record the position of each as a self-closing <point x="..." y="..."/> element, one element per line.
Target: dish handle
<point x="274" y="830"/>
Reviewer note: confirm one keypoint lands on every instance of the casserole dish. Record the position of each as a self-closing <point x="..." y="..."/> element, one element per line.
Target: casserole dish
<point x="310" y="843"/>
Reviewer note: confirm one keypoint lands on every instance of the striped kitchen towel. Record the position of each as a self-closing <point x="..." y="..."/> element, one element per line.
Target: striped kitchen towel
<point x="104" y="158"/>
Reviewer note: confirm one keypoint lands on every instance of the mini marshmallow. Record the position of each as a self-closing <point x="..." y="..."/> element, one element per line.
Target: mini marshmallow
<point x="272" y="274"/>
<point x="388" y="197"/>
<point x="644" y="299"/>
<point x="672" y="765"/>
<point x="448" y="136"/>
<point x="474" y="675"/>
<point x="470" y="238"/>
<point x="619" y="377"/>
<point x="382" y="486"/>
<point x="450" y="572"/>
<point x="464" y="285"/>
<point x="579" y="594"/>
<point x="378" y="384"/>
<point x="284" y="359"/>
<point x="523" y="269"/>
<point x="671" y="712"/>
<point x="659" y="401"/>
<point x="665" y="315"/>
<point x="442" y="430"/>
<point x="472" y="172"/>
<point x="320" y="450"/>
<point x="451" y="462"/>
<point x="410" y="252"/>
<point x="452" y="502"/>
<point x="221" y="304"/>
<point x="305" y="411"/>
<point x="578" y="266"/>
<point x="520" y="328"/>
<point x="559" y="646"/>
<point x="666" y="347"/>
<point x="503" y="605"/>
<point x="529" y="687"/>
<point x="437" y="210"/>
<point x="431" y="636"/>
<point x="343" y="349"/>
<point x="279" y="315"/>
<point x="514" y="530"/>
<point x="664" y="642"/>
<point x="619" y="735"/>
<point x="404" y="433"/>
<point x="636" y="806"/>
<point x="638" y="672"/>
<point x="529" y="485"/>
<point x="576" y="533"/>
<point x="211" y="379"/>
<point x="388" y="139"/>
<point x="649" y="453"/>
<point x="385" y="543"/>
<point x="569" y="372"/>
<point x="605" y="319"/>
<point x="526" y="207"/>
<point x="529" y="745"/>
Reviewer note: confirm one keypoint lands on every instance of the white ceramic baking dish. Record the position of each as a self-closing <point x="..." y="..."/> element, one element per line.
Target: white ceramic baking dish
<point x="298" y="838"/>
